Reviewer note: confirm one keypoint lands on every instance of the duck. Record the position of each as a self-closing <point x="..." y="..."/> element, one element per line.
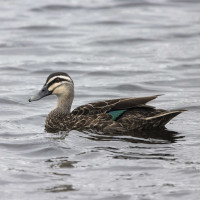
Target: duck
<point x="119" y="115"/>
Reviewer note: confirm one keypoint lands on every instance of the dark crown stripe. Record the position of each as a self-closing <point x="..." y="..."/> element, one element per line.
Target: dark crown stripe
<point x="57" y="74"/>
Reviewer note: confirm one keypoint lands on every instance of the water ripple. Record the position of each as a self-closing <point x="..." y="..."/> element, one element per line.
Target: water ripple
<point x="111" y="49"/>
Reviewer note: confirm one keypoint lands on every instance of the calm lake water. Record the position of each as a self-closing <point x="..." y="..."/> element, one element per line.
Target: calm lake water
<point x="111" y="49"/>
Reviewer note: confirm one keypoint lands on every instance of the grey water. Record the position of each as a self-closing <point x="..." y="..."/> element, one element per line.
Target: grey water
<point x="111" y="49"/>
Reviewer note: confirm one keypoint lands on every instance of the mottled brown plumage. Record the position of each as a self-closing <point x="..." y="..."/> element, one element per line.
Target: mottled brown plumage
<point x="102" y="116"/>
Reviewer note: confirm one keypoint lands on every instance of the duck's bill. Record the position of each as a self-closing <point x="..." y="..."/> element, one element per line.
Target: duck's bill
<point x="42" y="93"/>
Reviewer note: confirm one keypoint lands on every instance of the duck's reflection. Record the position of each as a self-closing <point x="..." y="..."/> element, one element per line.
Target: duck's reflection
<point x="132" y="145"/>
<point x="60" y="167"/>
<point x="157" y="136"/>
<point x="151" y="145"/>
<point x="138" y="145"/>
<point x="61" y="162"/>
<point x="60" y="188"/>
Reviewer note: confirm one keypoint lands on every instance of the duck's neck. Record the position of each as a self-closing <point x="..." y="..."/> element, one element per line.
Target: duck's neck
<point x="64" y="103"/>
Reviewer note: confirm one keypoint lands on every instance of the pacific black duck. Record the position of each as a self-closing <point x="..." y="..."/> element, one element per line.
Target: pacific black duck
<point x="110" y="116"/>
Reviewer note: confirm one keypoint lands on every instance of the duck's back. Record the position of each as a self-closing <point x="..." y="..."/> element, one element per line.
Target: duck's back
<point x="117" y="115"/>
<point x="122" y="115"/>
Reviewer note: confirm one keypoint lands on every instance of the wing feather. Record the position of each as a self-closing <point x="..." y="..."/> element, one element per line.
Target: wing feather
<point x="111" y="105"/>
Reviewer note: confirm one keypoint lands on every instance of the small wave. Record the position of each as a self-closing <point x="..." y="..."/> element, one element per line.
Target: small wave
<point x="40" y="28"/>
<point x="129" y="87"/>
<point x="57" y="7"/>
<point x="123" y="41"/>
<point x="102" y="73"/>
<point x="9" y="102"/>
<point x="109" y="22"/>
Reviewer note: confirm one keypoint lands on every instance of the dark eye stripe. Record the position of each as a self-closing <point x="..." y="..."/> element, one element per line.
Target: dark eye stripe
<point x="57" y="80"/>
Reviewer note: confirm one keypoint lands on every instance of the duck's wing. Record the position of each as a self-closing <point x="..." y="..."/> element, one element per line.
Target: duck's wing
<point x="112" y="105"/>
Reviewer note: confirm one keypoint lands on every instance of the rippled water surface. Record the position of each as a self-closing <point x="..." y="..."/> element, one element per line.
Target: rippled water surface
<point x="111" y="49"/>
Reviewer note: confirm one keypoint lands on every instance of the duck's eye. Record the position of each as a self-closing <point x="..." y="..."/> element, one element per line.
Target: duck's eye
<point x="57" y="79"/>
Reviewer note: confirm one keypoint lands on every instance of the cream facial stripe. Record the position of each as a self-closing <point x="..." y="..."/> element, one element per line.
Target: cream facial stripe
<point x="55" y="85"/>
<point x="61" y="77"/>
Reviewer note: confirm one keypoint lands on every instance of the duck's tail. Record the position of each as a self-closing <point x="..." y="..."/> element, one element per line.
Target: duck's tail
<point x="162" y="119"/>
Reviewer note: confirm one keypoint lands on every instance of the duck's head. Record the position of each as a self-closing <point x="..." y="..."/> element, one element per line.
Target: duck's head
<point x="59" y="84"/>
